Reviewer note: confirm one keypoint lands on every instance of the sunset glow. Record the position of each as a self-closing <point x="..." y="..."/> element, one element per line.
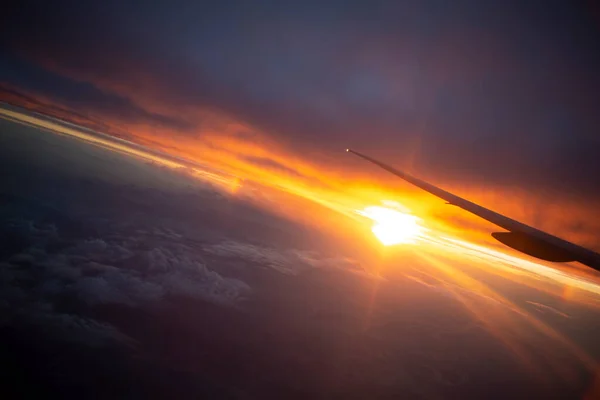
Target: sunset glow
<point x="366" y="199"/>
<point x="390" y="222"/>
<point x="392" y="226"/>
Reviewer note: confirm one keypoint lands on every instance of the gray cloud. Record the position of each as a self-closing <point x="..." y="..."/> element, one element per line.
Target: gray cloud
<point x="33" y="282"/>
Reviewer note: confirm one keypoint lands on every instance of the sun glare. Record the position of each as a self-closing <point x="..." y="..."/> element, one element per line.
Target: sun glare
<point x="392" y="226"/>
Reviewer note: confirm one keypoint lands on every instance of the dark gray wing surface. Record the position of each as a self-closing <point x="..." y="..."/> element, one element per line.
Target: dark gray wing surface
<point x="521" y="237"/>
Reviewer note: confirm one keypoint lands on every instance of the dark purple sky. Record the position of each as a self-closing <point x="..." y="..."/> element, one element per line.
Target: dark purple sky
<point x="495" y="94"/>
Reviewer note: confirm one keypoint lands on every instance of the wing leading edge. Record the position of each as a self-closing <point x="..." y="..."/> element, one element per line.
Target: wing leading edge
<point x="521" y="237"/>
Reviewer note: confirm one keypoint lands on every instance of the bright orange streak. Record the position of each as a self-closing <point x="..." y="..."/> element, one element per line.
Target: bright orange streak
<point x="118" y="145"/>
<point x="506" y="326"/>
<point x="513" y="264"/>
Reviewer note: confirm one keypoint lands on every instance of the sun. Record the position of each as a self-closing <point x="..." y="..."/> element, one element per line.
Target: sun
<point x="393" y="226"/>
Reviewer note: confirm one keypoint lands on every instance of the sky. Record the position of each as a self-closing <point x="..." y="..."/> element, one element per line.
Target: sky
<point x="497" y="102"/>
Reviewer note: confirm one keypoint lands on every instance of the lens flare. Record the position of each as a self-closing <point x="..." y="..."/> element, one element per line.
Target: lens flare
<point x="391" y="226"/>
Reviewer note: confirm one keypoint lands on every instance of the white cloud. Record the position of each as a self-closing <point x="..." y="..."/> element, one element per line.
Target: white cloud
<point x="118" y="288"/>
<point x="181" y="271"/>
<point x="74" y="328"/>
<point x="289" y="262"/>
<point x="272" y="258"/>
<point x="98" y="249"/>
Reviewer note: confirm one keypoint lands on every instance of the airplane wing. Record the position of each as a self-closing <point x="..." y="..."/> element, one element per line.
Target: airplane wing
<point x="519" y="236"/>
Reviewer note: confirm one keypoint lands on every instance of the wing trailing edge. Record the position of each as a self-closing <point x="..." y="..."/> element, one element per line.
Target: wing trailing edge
<point x="520" y="236"/>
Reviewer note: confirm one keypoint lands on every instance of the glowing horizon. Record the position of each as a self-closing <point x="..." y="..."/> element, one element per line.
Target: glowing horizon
<point x="391" y="222"/>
